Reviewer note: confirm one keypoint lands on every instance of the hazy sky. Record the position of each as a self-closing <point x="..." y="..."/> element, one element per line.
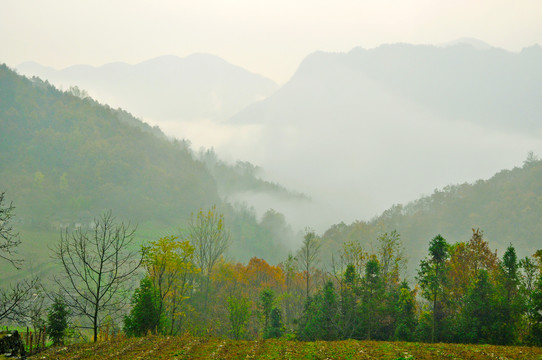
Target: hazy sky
<point x="266" y="37"/>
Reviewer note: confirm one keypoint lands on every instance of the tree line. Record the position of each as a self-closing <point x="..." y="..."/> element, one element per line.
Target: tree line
<point x="463" y="292"/>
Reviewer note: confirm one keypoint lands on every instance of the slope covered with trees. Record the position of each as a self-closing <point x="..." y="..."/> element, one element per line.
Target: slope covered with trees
<point x="507" y="207"/>
<point x="65" y="158"/>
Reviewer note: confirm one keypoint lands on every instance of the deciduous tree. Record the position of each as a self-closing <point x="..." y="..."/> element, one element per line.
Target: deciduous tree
<point x="210" y="238"/>
<point x="239" y="314"/>
<point x="97" y="264"/>
<point x="170" y="267"/>
<point x="307" y="257"/>
<point x="14" y="299"/>
<point x="9" y="239"/>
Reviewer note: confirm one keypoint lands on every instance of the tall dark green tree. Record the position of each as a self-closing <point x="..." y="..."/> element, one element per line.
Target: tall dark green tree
<point x="431" y="277"/>
<point x="145" y="315"/>
<point x="57" y="321"/>
<point x="319" y="320"/>
<point x="267" y="299"/>
<point x="406" y="314"/>
<point x="328" y="312"/>
<point x="478" y="318"/>
<point x="528" y="287"/>
<point x="510" y="302"/>
<point x="275" y="324"/>
<point x="372" y="296"/>
<point x="536" y="310"/>
<point x="348" y="319"/>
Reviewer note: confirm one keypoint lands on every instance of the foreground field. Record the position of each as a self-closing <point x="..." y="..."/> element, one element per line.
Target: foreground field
<point x="185" y="347"/>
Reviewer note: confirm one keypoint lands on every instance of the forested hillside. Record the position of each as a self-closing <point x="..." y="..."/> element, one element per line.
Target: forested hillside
<point x="65" y="158"/>
<point x="507" y="207"/>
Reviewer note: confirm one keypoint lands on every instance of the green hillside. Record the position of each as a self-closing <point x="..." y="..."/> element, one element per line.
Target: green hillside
<point x="507" y="207"/>
<point x="65" y="158"/>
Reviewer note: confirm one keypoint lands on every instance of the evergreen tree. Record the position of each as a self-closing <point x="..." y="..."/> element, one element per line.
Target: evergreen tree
<point x="432" y="279"/>
<point x="536" y="310"/>
<point x="510" y="303"/>
<point x="309" y="323"/>
<point x="372" y="295"/>
<point x="478" y="318"/>
<point x="528" y="281"/>
<point x="347" y="313"/>
<point x="57" y="321"/>
<point x="275" y="324"/>
<point x="145" y="315"/>
<point x="406" y="314"/>
<point x="328" y="311"/>
<point x="320" y="316"/>
<point x="267" y="298"/>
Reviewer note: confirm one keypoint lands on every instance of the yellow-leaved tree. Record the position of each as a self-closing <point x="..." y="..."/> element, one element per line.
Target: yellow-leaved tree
<point x="169" y="263"/>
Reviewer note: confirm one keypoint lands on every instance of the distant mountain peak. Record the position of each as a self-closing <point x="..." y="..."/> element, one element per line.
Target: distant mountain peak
<point x="167" y="88"/>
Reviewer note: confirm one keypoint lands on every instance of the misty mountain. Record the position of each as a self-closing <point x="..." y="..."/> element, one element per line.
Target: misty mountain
<point x="369" y="128"/>
<point x="507" y="207"/>
<point x="460" y="82"/>
<point x="66" y="159"/>
<point x="166" y="88"/>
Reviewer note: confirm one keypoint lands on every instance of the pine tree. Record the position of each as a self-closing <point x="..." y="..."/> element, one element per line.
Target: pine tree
<point x="372" y="296"/>
<point x="275" y="324"/>
<point x="406" y="314"/>
<point x="478" y="318"/>
<point x="431" y="277"/>
<point x="57" y="321"/>
<point x="510" y="302"/>
<point x="145" y="315"/>
<point x="267" y="298"/>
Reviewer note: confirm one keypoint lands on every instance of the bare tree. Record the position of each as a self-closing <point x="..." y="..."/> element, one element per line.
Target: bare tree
<point x="9" y="239"/>
<point x="14" y="299"/>
<point x="307" y="256"/>
<point x="210" y="239"/>
<point x="97" y="264"/>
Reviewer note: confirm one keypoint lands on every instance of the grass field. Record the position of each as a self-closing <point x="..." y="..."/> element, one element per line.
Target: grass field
<point x="36" y="251"/>
<point x="186" y="347"/>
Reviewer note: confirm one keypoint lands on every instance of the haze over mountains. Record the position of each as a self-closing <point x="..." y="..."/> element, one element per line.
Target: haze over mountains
<point x="66" y="159"/>
<point x="363" y="130"/>
<point x="165" y="89"/>
<point x="357" y="131"/>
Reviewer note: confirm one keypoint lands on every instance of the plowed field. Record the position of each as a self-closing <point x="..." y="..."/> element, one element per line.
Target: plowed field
<point x="186" y="347"/>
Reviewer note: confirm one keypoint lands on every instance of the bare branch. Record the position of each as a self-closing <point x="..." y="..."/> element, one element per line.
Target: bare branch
<point x="9" y="239"/>
<point x="96" y="264"/>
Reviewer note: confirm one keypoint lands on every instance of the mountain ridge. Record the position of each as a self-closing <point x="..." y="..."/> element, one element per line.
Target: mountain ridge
<point x="429" y="114"/>
<point x="209" y="86"/>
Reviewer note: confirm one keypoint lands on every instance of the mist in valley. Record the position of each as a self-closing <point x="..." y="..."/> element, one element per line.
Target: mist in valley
<point x="302" y="170"/>
<point x="357" y="132"/>
<point x="368" y="113"/>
